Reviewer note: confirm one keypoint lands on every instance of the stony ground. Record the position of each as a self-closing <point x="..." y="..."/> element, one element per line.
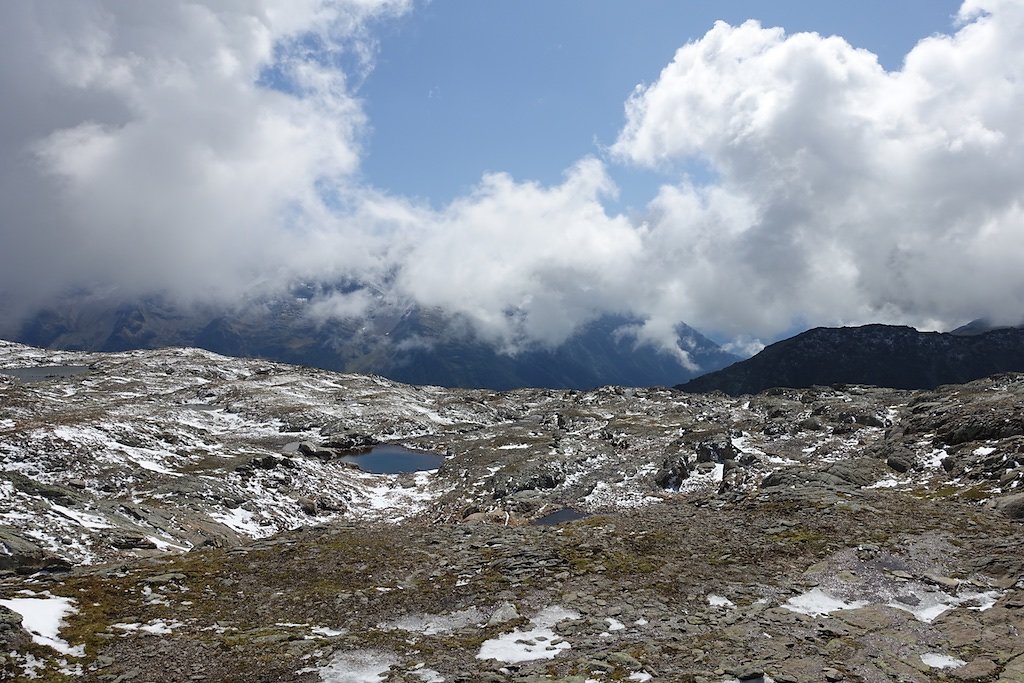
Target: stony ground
<point x="835" y="533"/>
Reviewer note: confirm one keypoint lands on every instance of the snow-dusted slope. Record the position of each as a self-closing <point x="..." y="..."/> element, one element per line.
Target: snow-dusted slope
<point x="154" y="451"/>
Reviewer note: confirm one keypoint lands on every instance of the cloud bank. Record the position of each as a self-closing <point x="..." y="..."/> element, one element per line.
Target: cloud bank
<point x="213" y="152"/>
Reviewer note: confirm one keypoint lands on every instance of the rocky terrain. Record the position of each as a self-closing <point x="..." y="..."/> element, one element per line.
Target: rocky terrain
<point x="880" y="355"/>
<point x="179" y="516"/>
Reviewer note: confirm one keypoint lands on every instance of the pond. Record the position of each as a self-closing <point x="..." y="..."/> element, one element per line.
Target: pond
<point x="389" y="459"/>
<point x="38" y="373"/>
<point x="563" y="515"/>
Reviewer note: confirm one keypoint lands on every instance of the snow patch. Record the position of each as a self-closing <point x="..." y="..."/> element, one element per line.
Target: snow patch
<point x="614" y="624"/>
<point x="941" y="661"/>
<point x="356" y="666"/>
<point x="156" y="627"/>
<point x="427" y="675"/>
<point x="934" y="459"/>
<point x="42" y="617"/>
<point x="888" y="483"/>
<point x="433" y="624"/>
<point x="817" y="602"/>
<point x="86" y="520"/>
<point x="719" y="601"/>
<point x="539" y="642"/>
<point x="931" y="604"/>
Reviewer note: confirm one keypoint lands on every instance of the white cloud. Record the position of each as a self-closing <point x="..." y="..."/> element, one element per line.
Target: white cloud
<point x="178" y="147"/>
<point x="213" y="151"/>
<point x="525" y="262"/>
<point x="842" y="192"/>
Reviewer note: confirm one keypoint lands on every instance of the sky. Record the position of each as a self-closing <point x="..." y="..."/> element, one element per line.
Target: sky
<point x="748" y="168"/>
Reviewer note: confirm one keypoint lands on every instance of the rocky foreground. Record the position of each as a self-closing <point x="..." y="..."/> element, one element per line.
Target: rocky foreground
<point x="179" y="516"/>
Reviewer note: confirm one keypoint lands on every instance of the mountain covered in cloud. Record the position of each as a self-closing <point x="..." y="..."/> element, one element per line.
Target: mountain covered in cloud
<point x="881" y="355"/>
<point x="406" y="343"/>
<point x="213" y="151"/>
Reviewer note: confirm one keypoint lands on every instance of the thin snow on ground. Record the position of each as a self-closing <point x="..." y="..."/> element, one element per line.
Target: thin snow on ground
<point x="355" y="666"/>
<point x="887" y="483"/>
<point x="42" y="617"/>
<point x="696" y="482"/>
<point x="941" y="661"/>
<point x="243" y="522"/>
<point x="86" y="520"/>
<point x="156" y="627"/>
<point x="382" y="496"/>
<point x="931" y="603"/>
<point x="325" y="632"/>
<point x="539" y="642"/>
<point x="161" y="544"/>
<point x="934" y="459"/>
<point x="621" y="494"/>
<point x="984" y="450"/>
<point x="427" y="675"/>
<point x="433" y="624"/>
<point x="817" y="602"/>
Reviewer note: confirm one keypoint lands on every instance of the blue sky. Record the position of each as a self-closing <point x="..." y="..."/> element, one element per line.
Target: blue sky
<point x="525" y="166"/>
<point x="461" y="87"/>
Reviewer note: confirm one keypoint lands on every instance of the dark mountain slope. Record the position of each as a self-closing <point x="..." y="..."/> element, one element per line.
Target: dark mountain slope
<point x="881" y="355"/>
<point x="406" y="344"/>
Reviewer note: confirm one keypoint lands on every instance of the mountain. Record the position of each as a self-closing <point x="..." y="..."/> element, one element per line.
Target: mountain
<point x="880" y="355"/>
<point x="178" y="516"/>
<point x="979" y="326"/>
<point x="404" y="343"/>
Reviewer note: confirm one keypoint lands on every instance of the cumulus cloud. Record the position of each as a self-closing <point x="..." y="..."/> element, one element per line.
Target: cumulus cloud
<point x="212" y="152"/>
<point x="178" y="147"/>
<point x="841" y="192"/>
<point x="526" y="262"/>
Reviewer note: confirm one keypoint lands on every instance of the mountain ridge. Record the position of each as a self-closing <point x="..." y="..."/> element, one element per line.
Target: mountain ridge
<point x="408" y="344"/>
<point x="894" y="356"/>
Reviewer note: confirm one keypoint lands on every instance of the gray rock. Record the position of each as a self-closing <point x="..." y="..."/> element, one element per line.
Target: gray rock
<point x="9" y="619"/>
<point x="672" y="473"/>
<point x="22" y="555"/>
<point x="308" y="505"/>
<point x="316" y="451"/>
<point x="506" y="612"/>
<point x="1012" y="506"/>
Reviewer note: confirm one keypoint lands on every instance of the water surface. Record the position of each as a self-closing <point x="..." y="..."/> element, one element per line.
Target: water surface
<point x="563" y="515"/>
<point x="389" y="459"/>
<point x="38" y="373"/>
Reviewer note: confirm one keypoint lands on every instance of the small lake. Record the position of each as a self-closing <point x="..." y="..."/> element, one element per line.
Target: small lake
<point x="563" y="515"/>
<point x="388" y="459"/>
<point x="38" y="373"/>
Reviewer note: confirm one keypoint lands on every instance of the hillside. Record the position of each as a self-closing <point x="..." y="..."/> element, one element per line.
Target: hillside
<point x="878" y="355"/>
<point x="183" y="516"/>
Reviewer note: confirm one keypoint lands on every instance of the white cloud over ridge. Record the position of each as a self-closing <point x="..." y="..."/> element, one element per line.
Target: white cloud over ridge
<point x="213" y="151"/>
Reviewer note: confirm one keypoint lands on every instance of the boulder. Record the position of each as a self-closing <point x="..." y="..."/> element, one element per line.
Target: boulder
<point x="505" y="613"/>
<point x="858" y="472"/>
<point x="672" y="473"/>
<point x="313" y="450"/>
<point x="23" y="556"/>
<point x="716" y="450"/>
<point x="1012" y="506"/>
